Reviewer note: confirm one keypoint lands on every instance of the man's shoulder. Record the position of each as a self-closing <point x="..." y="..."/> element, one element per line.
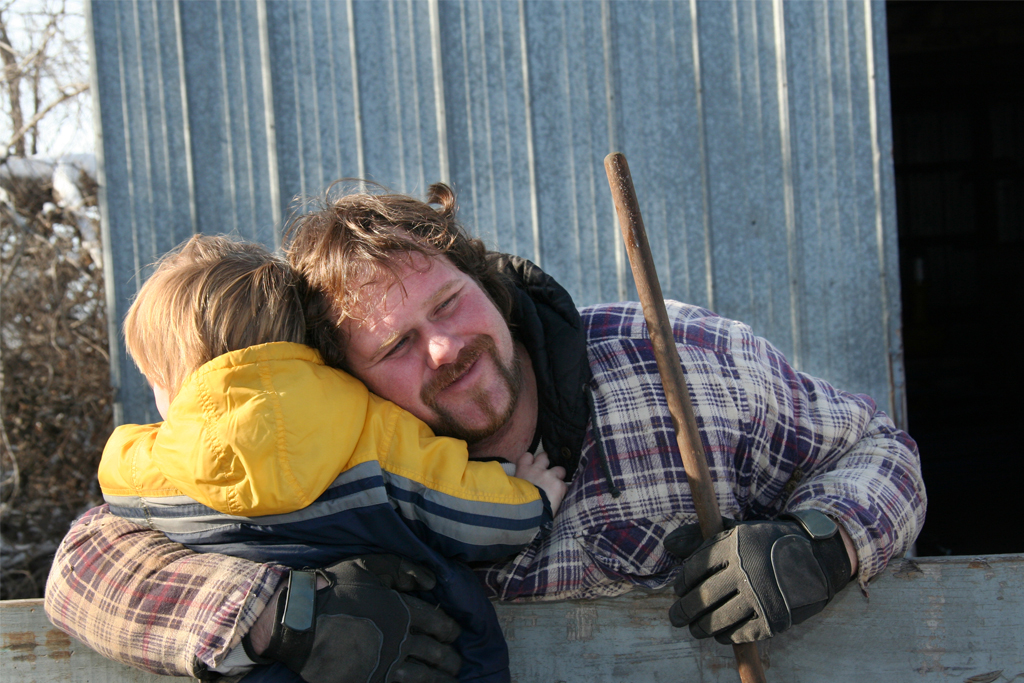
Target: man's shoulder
<point x="692" y="325"/>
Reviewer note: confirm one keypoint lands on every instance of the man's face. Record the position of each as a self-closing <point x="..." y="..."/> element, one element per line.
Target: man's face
<point x="442" y="351"/>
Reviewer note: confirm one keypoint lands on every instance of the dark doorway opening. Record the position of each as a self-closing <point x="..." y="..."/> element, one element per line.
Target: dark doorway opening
<point x="957" y="84"/>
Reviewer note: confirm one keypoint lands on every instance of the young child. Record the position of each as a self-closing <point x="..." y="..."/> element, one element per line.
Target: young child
<point x="268" y="454"/>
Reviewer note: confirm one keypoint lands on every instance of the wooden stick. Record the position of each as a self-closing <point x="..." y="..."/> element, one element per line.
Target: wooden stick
<point x="695" y="463"/>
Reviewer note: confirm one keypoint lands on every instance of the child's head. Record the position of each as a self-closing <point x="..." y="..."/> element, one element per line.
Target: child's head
<point x="206" y="297"/>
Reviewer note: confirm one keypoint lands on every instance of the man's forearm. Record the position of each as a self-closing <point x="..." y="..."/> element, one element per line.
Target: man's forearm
<point x="136" y="597"/>
<point x="259" y="634"/>
<point x="875" y="492"/>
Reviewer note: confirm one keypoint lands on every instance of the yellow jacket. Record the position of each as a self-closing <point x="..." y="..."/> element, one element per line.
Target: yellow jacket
<point x="267" y="429"/>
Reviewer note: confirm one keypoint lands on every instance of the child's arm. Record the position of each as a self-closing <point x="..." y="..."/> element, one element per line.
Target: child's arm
<point x="466" y="509"/>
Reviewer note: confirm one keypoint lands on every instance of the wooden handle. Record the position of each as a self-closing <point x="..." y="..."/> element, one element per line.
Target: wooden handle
<point x="695" y="463"/>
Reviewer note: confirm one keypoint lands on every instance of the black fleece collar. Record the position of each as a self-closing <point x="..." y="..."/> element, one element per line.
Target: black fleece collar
<point x="545" y="320"/>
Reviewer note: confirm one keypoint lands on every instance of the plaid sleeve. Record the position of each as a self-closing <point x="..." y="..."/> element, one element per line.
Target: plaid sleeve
<point x="842" y="455"/>
<point x="138" y="598"/>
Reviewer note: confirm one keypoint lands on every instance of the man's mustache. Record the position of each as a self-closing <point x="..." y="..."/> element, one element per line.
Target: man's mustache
<point x="450" y="373"/>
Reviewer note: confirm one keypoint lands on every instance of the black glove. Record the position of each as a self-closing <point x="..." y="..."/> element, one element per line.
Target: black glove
<point x="756" y="579"/>
<point x="359" y="628"/>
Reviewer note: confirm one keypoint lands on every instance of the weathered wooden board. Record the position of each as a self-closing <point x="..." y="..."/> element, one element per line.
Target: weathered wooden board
<point x="33" y="651"/>
<point x="925" y="620"/>
<point x="949" y="619"/>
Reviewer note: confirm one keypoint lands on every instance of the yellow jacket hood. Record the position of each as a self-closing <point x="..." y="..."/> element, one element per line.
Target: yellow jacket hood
<point x="259" y="431"/>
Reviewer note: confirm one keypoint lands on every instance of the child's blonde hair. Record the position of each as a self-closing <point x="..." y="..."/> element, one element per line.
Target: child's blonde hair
<point x="208" y="296"/>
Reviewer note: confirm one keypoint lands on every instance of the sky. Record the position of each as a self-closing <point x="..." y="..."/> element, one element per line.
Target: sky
<point x="67" y="129"/>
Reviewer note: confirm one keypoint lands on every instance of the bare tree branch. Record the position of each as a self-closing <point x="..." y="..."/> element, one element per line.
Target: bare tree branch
<point x="42" y="42"/>
<point x="76" y="90"/>
<point x="22" y="66"/>
<point x="12" y="76"/>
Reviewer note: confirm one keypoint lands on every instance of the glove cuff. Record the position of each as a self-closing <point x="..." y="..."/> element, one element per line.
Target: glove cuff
<point x="827" y="545"/>
<point x="834" y="559"/>
<point x="291" y="640"/>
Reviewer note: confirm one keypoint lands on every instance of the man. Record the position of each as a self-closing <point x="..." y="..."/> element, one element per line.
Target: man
<point x="489" y="349"/>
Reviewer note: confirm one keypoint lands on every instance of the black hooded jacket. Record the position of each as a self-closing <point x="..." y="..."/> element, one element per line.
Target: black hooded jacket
<point x="545" y="320"/>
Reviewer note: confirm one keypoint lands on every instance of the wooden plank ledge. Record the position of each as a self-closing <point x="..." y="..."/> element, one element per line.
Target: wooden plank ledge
<point x="927" y="619"/>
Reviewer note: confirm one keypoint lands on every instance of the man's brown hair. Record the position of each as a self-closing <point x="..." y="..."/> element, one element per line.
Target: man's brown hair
<point x="208" y="296"/>
<point x="351" y="241"/>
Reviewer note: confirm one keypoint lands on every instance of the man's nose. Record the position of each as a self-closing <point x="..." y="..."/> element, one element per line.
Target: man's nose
<point x="442" y="349"/>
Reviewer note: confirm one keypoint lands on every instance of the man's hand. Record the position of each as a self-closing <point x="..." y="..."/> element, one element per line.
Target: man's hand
<point x="756" y="579"/>
<point x="348" y="622"/>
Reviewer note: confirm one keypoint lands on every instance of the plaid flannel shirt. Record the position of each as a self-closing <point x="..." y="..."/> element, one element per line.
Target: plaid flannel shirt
<point x="775" y="439"/>
<point x="138" y="598"/>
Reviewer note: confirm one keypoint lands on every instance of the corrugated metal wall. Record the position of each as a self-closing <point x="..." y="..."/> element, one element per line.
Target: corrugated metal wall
<point x="758" y="135"/>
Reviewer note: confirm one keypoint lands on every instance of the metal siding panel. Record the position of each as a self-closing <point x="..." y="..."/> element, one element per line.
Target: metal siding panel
<point x="604" y="272"/>
<point x="305" y="77"/>
<point x="451" y="21"/>
<point x="661" y="128"/>
<point x="488" y="127"/>
<point x="569" y="107"/>
<point x="589" y="145"/>
<point x="173" y="109"/>
<point x="803" y="58"/>
<point x="679" y="148"/>
<point x="157" y="154"/>
<point x="473" y="157"/>
<point x="746" y="167"/>
<point x="884" y="199"/>
<point x="210" y="137"/>
<point x="864" y="338"/>
<point x="552" y="127"/>
<point x="726" y="145"/>
<point x="281" y="42"/>
<point x="414" y="69"/>
<point x="499" y="124"/>
<point x="845" y="252"/>
<point x="566" y="210"/>
<point x="773" y="221"/>
<point x="375" y="47"/>
<point x="842" y="336"/>
<point x="749" y="238"/>
<point x="140" y="217"/>
<point x="253" y="171"/>
<point x="521" y="177"/>
<point x="766" y="296"/>
<point x="321" y="55"/>
<point x="695" y="282"/>
<point x="636" y="71"/>
<point x="313" y="95"/>
<point x="148" y="241"/>
<point x="232" y="84"/>
<point x="418" y="97"/>
<point x="115" y="194"/>
<point x="136" y="119"/>
<point x="759" y="149"/>
<point x="393" y="147"/>
<point x="344" y="93"/>
<point x="780" y="215"/>
<point x="227" y="123"/>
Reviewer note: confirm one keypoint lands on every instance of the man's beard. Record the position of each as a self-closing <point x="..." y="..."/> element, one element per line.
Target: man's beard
<point x="447" y="422"/>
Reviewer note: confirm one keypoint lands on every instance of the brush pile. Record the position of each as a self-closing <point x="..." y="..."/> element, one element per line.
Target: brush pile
<point x="55" y="381"/>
